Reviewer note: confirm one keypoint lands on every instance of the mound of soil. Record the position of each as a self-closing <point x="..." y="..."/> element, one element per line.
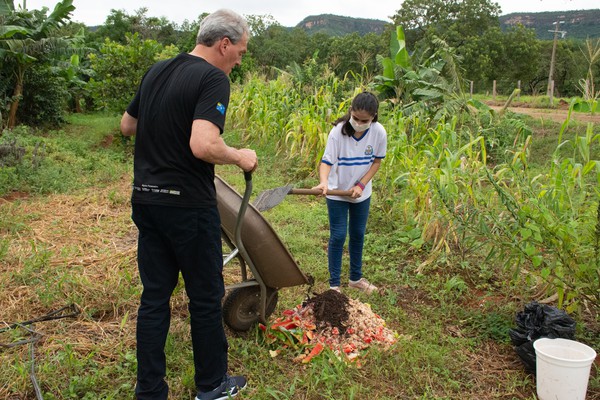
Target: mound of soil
<point x="330" y="308"/>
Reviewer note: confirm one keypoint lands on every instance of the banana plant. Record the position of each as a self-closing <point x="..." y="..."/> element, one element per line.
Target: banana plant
<point x="25" y="36"/>
<point x="426" y="80"/>
<point x="394" y="67"/>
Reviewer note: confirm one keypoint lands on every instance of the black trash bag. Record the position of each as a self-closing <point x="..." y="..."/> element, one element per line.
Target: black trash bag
<point x="537" y="321"/>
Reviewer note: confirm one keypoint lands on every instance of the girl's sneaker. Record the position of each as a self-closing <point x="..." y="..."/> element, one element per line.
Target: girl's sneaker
<point x="364" y="285"/>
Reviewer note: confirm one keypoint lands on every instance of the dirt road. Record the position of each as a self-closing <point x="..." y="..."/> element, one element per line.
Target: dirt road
<point x="556" y="114"/>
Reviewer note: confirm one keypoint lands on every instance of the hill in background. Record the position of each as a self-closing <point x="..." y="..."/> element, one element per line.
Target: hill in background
<point x="579" y="24"/>
<point x="336" y="25"/>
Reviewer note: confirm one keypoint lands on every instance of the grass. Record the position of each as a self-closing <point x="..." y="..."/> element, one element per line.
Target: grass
<point x="52" y="159"/>
<point x="72" y="241"/>
<point x="539" y="101"/>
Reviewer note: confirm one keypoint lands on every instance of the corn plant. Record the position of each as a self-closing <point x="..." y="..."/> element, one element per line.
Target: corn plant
<point x="591" y="52"/>
<point x="544" y="227"/>
<point x="294" y="116"/>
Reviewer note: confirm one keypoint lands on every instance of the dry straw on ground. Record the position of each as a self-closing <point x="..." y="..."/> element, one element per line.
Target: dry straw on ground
<point x="69" y="249"/>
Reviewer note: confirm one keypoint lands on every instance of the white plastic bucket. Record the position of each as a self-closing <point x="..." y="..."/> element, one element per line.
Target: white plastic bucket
<point x="562" y="368"/>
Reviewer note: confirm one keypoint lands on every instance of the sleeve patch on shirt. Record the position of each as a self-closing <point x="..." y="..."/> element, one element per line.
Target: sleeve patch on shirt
<point x="221" y="108"/>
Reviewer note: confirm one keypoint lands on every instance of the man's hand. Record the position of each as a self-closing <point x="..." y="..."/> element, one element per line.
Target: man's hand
<point x="248" y="160"/>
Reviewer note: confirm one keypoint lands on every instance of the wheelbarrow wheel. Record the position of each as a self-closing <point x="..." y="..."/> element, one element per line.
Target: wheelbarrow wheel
<point x="241" y="307"/>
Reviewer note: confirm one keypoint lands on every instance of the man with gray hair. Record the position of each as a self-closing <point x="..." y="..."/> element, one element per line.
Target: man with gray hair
<point x="178" y="116"/>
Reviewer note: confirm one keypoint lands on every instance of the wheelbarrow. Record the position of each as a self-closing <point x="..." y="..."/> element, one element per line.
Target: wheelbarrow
<point x="256" y="246"/>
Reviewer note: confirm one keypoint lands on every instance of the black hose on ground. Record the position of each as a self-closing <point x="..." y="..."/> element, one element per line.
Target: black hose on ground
<point x="71" y="310"/>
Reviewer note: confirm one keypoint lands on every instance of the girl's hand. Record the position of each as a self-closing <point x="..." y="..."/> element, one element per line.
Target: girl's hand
<point x="356" y="192"/>
<point x="322" y="187"/>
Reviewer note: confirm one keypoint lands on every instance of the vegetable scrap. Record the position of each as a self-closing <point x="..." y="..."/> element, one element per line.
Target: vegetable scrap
<point x="328" y="320"/>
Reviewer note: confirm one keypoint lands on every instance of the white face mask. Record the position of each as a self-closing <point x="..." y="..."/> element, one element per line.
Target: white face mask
<point x="359" y="127"/>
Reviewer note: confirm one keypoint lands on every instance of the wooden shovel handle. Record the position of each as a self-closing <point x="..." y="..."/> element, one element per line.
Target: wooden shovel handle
<point x="316" y="192"/>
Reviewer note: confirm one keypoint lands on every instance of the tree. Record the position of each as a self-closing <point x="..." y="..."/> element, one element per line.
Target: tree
<point x="569" y="66"/>
<point x="26" y="36"/>
<point x="357" y="53"/>
<point x="279" y="47"/>
<point x="260" y="23"/>
<point x="117" y="24"/>
<point x="503" y="56"/>
<point x="119" y="69"/>
<point x="521" y="57"/>
<point x="454" y="20"/>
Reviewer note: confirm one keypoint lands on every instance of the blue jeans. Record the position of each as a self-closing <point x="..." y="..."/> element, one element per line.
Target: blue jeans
<point x="346" y="218"/>
<point x="173" y="240"/>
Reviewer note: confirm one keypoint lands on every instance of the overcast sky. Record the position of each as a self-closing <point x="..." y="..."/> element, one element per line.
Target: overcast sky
<point x="287" y="13"/>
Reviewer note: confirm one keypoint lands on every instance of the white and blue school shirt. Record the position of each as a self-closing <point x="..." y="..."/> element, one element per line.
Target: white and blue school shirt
<point x="351" y="158"/>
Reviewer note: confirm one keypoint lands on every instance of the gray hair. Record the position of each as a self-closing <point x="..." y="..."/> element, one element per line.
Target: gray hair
<point x="222" y="23"/>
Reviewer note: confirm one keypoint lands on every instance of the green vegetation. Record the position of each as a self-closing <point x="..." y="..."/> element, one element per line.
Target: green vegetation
<point x="449" y="289"/>
<point x="46" y="163"/>
<point x="51" y="66"/>
<point x="580" y="24"/>
<point x="477" y="210"/>
<point x="27" y="37"/>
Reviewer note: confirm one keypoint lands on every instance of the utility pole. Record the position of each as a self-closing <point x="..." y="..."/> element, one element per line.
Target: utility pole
<point x="556" y="24"/>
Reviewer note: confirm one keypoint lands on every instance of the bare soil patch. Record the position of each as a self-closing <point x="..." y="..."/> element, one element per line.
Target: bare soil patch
<point x="558" y="114"/>
<point x="12" y="196"/>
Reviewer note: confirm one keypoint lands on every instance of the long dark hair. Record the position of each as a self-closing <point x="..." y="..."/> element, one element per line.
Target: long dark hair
<point x="365" y="101"/>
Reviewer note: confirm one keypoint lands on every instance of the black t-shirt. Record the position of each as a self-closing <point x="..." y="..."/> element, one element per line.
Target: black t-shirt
<point x="173" y="94"/>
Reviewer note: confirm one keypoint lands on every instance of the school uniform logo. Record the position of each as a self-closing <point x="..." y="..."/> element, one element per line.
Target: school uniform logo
<point x="221" y="108"/>
<point x="369" y="150"/>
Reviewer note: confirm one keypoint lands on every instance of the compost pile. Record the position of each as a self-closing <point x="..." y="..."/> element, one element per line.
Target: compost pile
<point x="328" y="320"/>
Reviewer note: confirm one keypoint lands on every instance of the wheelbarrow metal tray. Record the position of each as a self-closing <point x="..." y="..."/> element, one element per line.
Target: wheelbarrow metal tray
<point x="272" y="260"/>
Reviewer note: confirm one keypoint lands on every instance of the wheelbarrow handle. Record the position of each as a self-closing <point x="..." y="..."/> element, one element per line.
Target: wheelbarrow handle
<point x="316" y="192"/>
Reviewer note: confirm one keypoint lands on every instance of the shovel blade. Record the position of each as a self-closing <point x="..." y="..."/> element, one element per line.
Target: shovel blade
<point x="271" y="197"/>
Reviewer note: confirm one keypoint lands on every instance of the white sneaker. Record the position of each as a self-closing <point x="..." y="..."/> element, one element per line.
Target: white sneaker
<point x="363" y="284"/>
<point x="336" y="288"/>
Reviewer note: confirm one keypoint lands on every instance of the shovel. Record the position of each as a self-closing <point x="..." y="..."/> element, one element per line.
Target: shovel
<point x="272" y="197"/>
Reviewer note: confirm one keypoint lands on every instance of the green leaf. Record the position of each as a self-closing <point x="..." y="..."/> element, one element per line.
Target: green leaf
<point x="479" y="105"/>
<point x="525" y="233"/>
<point x="414" y="233"/>
<point x="545" y="273"/>
<point x="6" y="7"/>
<point x="401" y="54"/>
<point x="427" y="94"/>
<point x="8" y="31"/>
<point x="417" y="243"/>
<point x="388" y="68"/>
<point x="583" y="106"/>
<point x="530" y="250"/>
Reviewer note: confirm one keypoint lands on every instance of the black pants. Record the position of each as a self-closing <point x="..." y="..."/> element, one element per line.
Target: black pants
<point x="173" y="240"/>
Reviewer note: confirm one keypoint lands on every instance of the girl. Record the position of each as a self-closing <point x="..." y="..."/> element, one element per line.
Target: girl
<point x="355" y="147"/>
